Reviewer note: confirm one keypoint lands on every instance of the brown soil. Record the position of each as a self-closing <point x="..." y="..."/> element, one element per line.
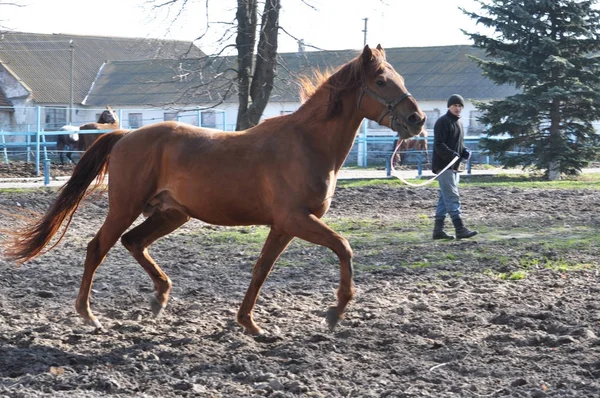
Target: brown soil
<point x="430" y="319"/>
<point x="27" y="170"/>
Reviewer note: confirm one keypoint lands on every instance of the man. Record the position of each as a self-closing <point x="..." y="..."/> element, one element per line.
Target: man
<point x="448" y="143"/>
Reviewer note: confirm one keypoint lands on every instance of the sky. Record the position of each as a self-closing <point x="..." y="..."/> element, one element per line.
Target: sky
<point x="321" y="24"/>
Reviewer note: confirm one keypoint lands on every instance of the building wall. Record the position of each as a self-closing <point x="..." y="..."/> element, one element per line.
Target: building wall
<point x="19" y="117"/>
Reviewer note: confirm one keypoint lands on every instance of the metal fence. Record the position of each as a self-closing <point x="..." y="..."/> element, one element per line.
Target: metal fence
<point x="37" y="145"/>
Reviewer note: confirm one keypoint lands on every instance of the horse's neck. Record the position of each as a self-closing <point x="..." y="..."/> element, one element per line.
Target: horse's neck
<point x="335" y="135"/>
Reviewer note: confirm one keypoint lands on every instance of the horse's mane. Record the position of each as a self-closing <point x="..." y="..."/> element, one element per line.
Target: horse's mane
<point x="348" y="77"/>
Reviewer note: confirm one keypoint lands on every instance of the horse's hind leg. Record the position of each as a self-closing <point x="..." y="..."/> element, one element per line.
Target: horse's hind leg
<point x="275" y="244"/>
<point x="159" y="224"/>
<point x="70" y="156"/>
<point x="114" y="225"/>
<point x="310" y="228"/>
<point x="60" y="147"/>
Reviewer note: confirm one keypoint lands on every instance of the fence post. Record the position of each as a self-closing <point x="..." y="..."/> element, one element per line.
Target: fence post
<point x="388" y="166"/>
<point x="46" y="171"/>
<point x="362" y="145"/>
<point x="37" y="141"/>
<point x="419" y="166"/>
<point x="5" y="150"/>
<point x="45" y="147"/>
<point x="28" y="141"/>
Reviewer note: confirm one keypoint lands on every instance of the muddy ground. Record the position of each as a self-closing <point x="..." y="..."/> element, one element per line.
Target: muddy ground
<point x="430" y="319"/>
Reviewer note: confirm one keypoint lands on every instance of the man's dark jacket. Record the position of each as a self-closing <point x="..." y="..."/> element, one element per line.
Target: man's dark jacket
<point x="448" y="142"/>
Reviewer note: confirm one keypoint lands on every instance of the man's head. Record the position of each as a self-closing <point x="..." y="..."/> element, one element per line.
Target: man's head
<point x="455" y="104"/>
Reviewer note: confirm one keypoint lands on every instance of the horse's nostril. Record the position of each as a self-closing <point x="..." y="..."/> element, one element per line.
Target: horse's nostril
<point x="415" y="119"/>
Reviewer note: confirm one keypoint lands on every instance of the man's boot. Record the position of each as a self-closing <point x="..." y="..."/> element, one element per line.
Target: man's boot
<point x="438" y="230"/>
<point x="462" y="232"/>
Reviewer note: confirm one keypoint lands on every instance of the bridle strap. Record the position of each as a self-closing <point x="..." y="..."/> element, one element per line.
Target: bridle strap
<point x="389" y="105"/>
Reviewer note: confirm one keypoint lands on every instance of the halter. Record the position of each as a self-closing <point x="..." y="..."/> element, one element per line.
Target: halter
<point x="390" y="105"/>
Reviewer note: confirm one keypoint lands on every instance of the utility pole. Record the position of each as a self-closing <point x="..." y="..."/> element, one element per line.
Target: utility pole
<point x="362" y="136"/>
<point x="72" y="49"/>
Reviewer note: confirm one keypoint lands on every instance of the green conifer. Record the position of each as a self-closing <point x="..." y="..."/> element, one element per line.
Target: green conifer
<point x="550" y="50"/>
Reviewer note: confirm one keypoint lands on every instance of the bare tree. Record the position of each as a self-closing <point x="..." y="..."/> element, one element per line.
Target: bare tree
<point x="256" y="61"/>
<point x="7" y="4"/>
<point x="255" y="86"/>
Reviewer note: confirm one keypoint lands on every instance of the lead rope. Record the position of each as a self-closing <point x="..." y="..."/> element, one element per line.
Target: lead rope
<point x="397" y="175"/>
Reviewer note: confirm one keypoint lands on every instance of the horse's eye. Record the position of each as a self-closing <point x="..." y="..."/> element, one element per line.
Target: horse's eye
<point x="380" y="83"/>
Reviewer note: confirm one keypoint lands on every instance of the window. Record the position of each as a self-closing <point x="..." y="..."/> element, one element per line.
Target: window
<point x="135" y="120"/>
<point x="55" y="118"/>
<point x="475" y="126"/>
<point x="432" y="117"/>
<point x="170" y="116"/>
<point x="208" y="119"/>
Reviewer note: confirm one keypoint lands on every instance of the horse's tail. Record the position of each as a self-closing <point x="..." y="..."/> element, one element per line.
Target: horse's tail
<point x="30" y="242"/>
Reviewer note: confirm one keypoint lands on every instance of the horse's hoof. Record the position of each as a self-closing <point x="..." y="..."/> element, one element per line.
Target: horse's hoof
<point x="156" y="306"/>
<point x="254" y="330"/>
<point x="93" y="322"/>
<point x="251" y="328"/>
<point x="332" y="317"/>
<point x="266" y="338"/>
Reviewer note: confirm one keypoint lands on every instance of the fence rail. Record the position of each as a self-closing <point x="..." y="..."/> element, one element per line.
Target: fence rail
<point x="34" y="144"/>
<point x="40" y="147"/>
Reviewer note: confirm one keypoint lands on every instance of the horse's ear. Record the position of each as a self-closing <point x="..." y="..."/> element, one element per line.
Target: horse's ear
<point x="367" y="55"/>
<point x="109" y="108"/>
<point x="381" y="50"/>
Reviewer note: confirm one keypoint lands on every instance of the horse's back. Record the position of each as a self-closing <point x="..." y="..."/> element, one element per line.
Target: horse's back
<point x="220" y="177"/>
<point x="174" y="148"/>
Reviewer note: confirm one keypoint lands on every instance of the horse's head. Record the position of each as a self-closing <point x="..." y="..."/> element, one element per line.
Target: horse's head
<point x="383" y="97"/>
<point x="108" y="116"/>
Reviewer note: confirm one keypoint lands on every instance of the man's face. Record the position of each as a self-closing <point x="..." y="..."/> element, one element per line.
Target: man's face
<point x="455" y="109"/>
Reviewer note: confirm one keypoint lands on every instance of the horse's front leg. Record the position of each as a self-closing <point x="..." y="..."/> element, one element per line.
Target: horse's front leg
<point x="310" y="228"/>
<point x="274" y="245"/>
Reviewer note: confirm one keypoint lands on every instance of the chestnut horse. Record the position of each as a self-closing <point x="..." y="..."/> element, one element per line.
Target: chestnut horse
<point x="108" y="120"/>
<point x="281" y="173"/>
<point x="413" y="145"/>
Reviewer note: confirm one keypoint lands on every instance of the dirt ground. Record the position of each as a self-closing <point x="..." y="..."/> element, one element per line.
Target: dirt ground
<point x="430" y="319"/>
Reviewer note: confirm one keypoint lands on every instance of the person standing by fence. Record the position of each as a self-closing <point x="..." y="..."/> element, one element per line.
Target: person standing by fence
<point x="448" y="143"/>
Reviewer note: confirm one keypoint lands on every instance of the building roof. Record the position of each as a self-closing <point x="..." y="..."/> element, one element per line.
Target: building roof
<point x="430" y="73"/>
<point x="435" y="73"/>
<point x="164" y="82"/>
<point x="43" y="61"/>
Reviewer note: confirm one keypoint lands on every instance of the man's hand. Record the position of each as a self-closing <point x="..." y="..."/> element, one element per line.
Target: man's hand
<point x="466" y="154"/>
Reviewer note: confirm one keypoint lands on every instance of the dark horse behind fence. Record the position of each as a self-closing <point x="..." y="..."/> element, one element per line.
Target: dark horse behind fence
<point x="108" y="120"/>
<point x="417" y="143"/>
<point x="281" y="173"/>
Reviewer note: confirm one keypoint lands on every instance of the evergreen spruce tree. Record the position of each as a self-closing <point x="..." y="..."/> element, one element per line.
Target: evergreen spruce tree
<point x="549" y="49"/>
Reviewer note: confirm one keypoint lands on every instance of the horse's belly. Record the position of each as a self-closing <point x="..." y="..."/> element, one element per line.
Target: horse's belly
<point x="211" y="209"/>
<point x="230" y="216"/>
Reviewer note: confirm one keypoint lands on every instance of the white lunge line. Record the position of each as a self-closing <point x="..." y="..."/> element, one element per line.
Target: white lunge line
<point x="422" y="184"/>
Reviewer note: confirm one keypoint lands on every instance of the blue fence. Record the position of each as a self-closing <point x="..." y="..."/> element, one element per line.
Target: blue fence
<point x="35" y="146"/>
<point x="377" y="151"/>
<point x="39" y="148"/>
